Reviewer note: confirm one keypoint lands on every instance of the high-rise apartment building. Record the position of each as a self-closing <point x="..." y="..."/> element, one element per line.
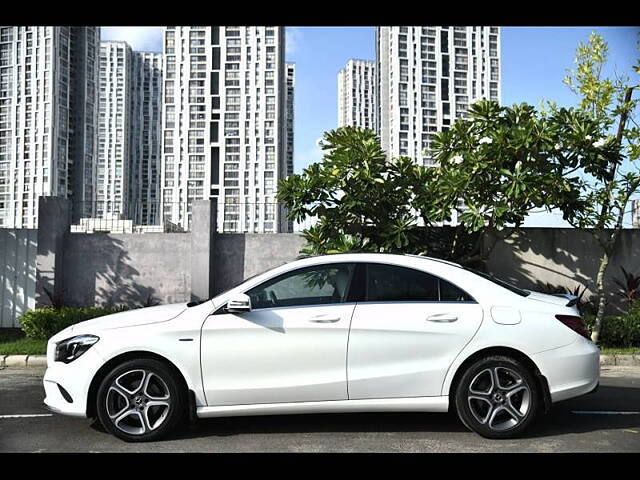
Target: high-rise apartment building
<point x="48" y="118"/>
<point x="290" y="68"/>
<point x="357" y="94"/>
<point x="128" y="170"/>
<point x="289" y="114"/>
<point x="146" y="129"/>
<point x="114" y="154"/>
<point x="223" y="114"/>
<point x="427" y="77"/>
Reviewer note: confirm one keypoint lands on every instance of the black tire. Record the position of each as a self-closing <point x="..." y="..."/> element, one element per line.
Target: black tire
<point x="159" y="420"/>
<point x="516" y="408"/>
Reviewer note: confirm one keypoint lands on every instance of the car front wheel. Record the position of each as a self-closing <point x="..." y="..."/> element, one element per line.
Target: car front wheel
<point x="140" y="400"/>
<point x="498" y="397"/>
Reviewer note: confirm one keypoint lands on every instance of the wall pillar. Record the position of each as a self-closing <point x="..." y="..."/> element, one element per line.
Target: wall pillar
<point x="203" y="228"/>
<point x="54" y="219"/>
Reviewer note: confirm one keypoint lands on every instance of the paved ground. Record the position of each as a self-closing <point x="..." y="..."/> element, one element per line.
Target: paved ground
<point x="572" y="426"/>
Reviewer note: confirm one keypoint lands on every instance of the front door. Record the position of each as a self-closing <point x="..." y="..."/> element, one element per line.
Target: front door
<point x="291" y="347"/>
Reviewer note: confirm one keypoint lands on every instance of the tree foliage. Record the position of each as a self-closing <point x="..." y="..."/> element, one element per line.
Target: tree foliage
<point x="502" y="162"/>
<point x="490" y="171"/>
<point x="609" y="183"/>
<point x="362" y="201"/>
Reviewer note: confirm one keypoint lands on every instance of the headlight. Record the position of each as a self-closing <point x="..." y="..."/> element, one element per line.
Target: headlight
<point x="71" y="348"/>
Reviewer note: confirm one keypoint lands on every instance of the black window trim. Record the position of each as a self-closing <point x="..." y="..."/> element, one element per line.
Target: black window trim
<point x="360" y="268"/>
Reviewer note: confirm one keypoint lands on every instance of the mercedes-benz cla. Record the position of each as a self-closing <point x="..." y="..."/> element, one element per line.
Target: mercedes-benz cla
<point x="336" y="333"/>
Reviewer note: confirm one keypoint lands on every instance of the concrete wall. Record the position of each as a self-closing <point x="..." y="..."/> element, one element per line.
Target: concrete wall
<point x="138" y="269"/>
<point x="532" y="259"/>
<point x="18" y="254"/>
<point x="131" y="269"/>
<point x="566" y="257"/>
<point x="85" y="269"/>
<point x="240" y="256"/>
<point x="54" y="217"/>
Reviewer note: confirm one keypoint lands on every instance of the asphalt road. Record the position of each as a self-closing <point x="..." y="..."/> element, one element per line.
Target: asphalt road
<point x="599" y="422"/>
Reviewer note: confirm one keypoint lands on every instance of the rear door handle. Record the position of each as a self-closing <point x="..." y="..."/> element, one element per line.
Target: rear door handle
<point x="323" y="319"/>
<point x="442" y="318"/>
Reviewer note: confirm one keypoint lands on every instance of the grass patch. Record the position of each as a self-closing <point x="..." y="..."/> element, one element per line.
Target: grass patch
<point x="14" y="342"/>
<point x="620" y="351"/>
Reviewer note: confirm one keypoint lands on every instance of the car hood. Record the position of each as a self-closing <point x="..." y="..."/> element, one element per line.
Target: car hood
<point x="130" y="318"/>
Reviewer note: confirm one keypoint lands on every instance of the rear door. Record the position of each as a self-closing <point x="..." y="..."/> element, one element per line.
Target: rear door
<point x="407" y="332"/>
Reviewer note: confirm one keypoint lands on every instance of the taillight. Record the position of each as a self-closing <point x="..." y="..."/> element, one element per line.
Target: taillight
<point x="575" y="323"/>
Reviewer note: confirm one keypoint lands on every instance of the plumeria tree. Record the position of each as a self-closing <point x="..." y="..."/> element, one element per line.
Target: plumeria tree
<point x="491" y="169"/>
<point x="361" y="201"/>
<point x="504" y="161"/>
<point x="499" y="163"/>
<point x="610" y="174"/>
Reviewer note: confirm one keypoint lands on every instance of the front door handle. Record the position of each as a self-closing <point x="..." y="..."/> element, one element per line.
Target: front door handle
<point x="442" y="318"/>
<point x="323" y="319"/>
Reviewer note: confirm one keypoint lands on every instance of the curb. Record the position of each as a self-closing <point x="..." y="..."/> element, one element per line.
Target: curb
<point x="41" y="360"/>
<point x="23" y="361"/>
<point x="620" y="360"/>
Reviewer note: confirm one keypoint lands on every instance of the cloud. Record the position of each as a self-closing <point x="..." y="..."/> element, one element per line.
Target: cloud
<point x="139" y="38"/>
<point x="292" y="40"/>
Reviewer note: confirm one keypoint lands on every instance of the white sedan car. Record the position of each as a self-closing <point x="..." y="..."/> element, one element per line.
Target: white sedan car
<point x="337" y="333"/>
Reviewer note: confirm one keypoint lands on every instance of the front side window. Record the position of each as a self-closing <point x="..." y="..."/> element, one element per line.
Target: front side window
<point x="317" y="285"/>
<point x="390" y="283"/>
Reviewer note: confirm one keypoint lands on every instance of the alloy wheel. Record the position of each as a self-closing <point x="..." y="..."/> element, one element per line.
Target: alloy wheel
<point x="138" y="402"/>
<point x="499" y="398"/>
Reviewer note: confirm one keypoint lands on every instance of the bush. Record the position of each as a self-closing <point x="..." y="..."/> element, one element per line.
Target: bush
<point x="619" y="331"/>
<point x="43" y="323"/>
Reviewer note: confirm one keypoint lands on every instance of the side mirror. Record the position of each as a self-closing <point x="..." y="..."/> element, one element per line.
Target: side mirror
<point x="239" y="303"/>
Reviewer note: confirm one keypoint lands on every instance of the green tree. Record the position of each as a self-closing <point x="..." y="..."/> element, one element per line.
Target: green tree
<point x="501" y="162"/>
<point x="607" y="186"/>
<point x="491" y="169"/>
<point x="361" y="201"/>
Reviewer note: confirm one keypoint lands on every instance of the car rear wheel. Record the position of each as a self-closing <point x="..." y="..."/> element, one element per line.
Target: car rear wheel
<point x="140" y="400"/>
<point x="498" y="397"/>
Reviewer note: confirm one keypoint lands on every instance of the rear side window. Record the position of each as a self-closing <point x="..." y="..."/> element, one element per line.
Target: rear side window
<point x="389" y="283"/>
<point x="502" y="283"/>
<point x="450" y="293"/>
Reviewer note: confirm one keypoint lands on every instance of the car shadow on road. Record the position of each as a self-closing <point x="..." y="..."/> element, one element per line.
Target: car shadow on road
<point x="559" y="421"/>
<point x="322" y="423"/>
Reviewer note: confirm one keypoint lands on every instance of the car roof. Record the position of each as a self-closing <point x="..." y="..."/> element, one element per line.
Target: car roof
<point x="374" y="254"/>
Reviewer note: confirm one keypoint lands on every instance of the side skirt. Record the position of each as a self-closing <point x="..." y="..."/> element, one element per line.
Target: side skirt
<point x="413" y="404"/>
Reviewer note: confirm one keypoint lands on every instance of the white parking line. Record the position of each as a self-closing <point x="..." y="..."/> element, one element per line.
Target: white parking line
<point x="604" y="413"/>
<point x="27" y="416"/>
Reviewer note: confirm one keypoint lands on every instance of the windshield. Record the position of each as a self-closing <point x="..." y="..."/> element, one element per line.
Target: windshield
<point x="502" y="283"/>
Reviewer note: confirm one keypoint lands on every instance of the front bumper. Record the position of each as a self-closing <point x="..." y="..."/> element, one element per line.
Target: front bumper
<point x="572" y="370"/>
<point x="75" y="379"/>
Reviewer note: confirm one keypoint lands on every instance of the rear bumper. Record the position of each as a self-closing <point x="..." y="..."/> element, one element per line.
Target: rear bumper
<point x="572" y="370"/>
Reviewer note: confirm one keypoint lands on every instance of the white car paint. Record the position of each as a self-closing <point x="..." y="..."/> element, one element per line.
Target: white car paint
<point x="387" y="346"/>
<point x="368" y="357"/>
<point x="276" y="355"/>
